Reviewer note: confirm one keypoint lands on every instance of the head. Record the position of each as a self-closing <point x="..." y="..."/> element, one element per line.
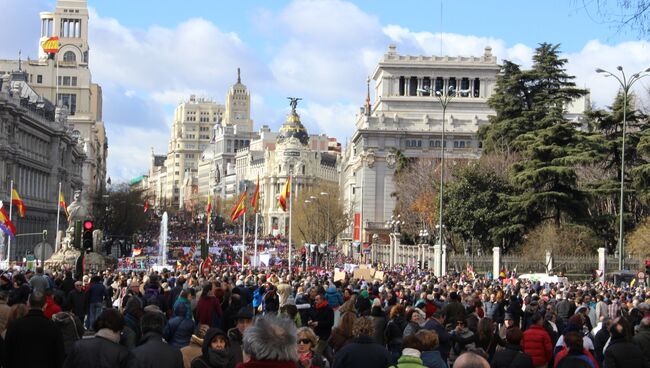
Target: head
<point x="514" y="335"/>
<point x="110" y="319"/>
<point x="36" y="300"/>
<point x="271" y="339"/>
<point x="428" y="339"/>
<point x="244" y="319"/>
<point x="152" y="322"/>
<point x="215" y="339"/>
<point x="573" y="341"/>
<point x="396" y="310"/>
<point x="363" y="326"/>
<point x="471" y="360"/>
<point x="307" y="339"/>
<point x="537" y="319"/>
<point x="347" y="322"/>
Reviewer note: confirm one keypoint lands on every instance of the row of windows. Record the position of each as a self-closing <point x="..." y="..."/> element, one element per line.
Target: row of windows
<point x="239" y="143"/>
<point x="69" y="100"/>
<point x="70" y="28"/>
<point x="414" y="86"/>
<point x="66" y="81"/>
<point x="189" y="155"/>
<point x="32" y="184"/>
<point x="416" y="143"/>
<point x="204" y="129"/>
<point x="34" y="147"/>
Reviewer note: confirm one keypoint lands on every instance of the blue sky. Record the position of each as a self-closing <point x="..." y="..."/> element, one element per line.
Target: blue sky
<point x="149" y="55"/>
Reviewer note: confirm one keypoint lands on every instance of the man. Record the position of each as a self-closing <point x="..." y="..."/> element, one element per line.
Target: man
<point x="271" y="342"/>
<point x="77" y="301"/>
<point x="236" y="334"/>
<point x="322" y="321"/>
<point x="176" y="291"/>
<point x="95" y="297"/>
<point x="435" y="324"/>
<point x="153" y="351"/>
<point x="39" y="281"/>
<point x="512" y="356"/>
<point x="508" y="323"/>
<point x="471" y="360"/>
<point x="642" y="338"/>
<point x="454" y="311"/>
<point x="34" y="341"/>
<point x="537" y="343"/>
<point x="362" y="351"/>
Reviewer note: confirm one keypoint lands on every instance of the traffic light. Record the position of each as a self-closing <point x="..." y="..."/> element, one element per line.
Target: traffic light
<point x="647" y="268"/>
<point x="76" y="239"/>
<point x="87" y="237"/>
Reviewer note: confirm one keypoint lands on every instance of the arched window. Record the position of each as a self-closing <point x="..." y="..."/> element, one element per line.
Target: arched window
<point x="69" y="56"/>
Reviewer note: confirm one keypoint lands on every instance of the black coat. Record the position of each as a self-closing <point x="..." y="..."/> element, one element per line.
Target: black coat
<point x="19" y="295"/>
<point x="325" y="318"/>
<point x="511" y="357"/>
<point x="99" y="352"/>
<point x="77" y="303"/>
<point x="642" y="340"/>
<point x="33" y="341"/>
<point x="364" y="352"/>
<point x="155" y="353"/>
<point x="623" y="354"/>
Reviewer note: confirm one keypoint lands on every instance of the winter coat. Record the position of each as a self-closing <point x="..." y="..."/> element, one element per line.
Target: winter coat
<point x="624" y="354"/>
<point x="268" y="364"/>
<point x="394" y="333"/>
<point x="51" y="308"/>
<point x="324" y="315"/>
<point x="642" y="340"/>
<point x="96" y="293"/>
<point x="454" y="311"/>
<point x="511" y="357"/>
<point x="379" y="322"/>
<point x="225" y="357"/>
<point x="362" y="352"/>
<point x="191" y="351"/>
<point x="537" y="343"/>
<point x="99" y="352"/>
<point x="432" y="359"/>
<point x="444" y="337"/>
<point x="33" y="341"/>
<point x="155" y="353"/>
<point x="77" y="303"/>
<point x="334" y="298"/>
<point x="406" y="361"/>
<point x="72" y="329"/>
<point x="410" y="329"/>
<point x="178" y="331"/>
<point x="19" y="295"/>
<point x="208" y="311"/>
<point x="565" y="353"/>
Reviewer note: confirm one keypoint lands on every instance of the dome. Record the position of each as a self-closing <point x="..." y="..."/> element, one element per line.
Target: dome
<point x="293" y="128"/>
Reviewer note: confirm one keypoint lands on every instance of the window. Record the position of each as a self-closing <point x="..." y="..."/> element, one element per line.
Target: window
<point x="69" y="100"/>
<point x="70" y="28"/>
<point x="402" y="86"/>
<point x="464" y="86"/>
<point x="413" y="86"/>
<point x="426" y="86"/>
<point x="477" y="87"/>
<point x="452" y="85"/>
<point x="440" y="83"/>
<point x="46" y="27"/>
<point x="39" y="79"/>
<point x="69" y="56"/>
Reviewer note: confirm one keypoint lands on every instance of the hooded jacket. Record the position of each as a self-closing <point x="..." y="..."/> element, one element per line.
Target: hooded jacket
<point x="211" y="358"/>
<point x="334" y="298"/>
<point x="178" y="331"/>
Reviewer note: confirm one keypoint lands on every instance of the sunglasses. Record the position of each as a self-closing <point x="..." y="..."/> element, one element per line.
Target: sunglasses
<point x="304" y="341"/>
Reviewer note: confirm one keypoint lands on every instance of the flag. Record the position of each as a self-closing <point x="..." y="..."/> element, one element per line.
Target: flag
<point x="239" y="209"/>
<point x="146" y="206"/>
<point x="5" y="224"/>
<point x="284" y="197"/>
<point x="209" y="207"/>
<point x="16" y="201"/>
<point x="62" y="204"/>
<point x="136" y="252"/>
<point x="256" y="196"/>
<point x="179" y="265"/>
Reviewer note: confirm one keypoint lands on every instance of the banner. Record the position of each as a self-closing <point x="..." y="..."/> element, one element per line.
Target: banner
<point x="357" y="227"/>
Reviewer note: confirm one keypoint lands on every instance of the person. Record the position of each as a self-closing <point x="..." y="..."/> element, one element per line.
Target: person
<point x="434" y="323"/>
<point x="195" y="348"/>
<point x="379" y="321"/>
<point x="362" y="351"/>
<point x="454" y="310"/>
<point x="215" y="351"/>
<point x="621" y="351"/>
<point x="20" y="291"/>
<point x="34" y="340"/>
<point x="77" y="301"/>
<point x="512" y="356"/>
<point x="308" y="357"/>
<point x="333" y="296"/>
<point x="178" y="332"/>
<point x="236" y="334"/>
<point x="185" y="297"/>
<point x="104" y="349"/>
<point x="72" y="329"/>
<point x="471" y="360"/>
<point x="574" y="355"/>
<point x="208" y="308"/>
<point x="39" y="281"/>
<point x="462" y="339"/>
<point x="342" y="334"/>
<point x="153" y="350"/>
<point x="322" y="320"/>
<point x="270" y="343"/>
<point x="394" y="332"/>
<point x="413" y="324"/>
<point x="429" y="352"/>
<point x="51" y="306"/>
<point x="5" y="309"/>
<point x="642" y="338"/>
<point x="601" y="339"/>
<point x="410" y="354"/>
<point x="537" y="343"/>
<point x="95" y="297"/>
<point x="487" y="336"/>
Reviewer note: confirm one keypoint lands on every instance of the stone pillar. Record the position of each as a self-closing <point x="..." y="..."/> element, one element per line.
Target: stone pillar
<point x="496" y="262"/>
<point x="549" y="261"/>
<point x="443" y="260"/>
<point x="602" y="262"/>
<point x="437" y="257"/>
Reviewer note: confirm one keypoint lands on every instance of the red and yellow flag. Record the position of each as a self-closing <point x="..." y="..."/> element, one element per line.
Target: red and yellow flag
<point x="5" y="224"/>
<point x="62" y="204"/>
<point x="208" y="209"/>
<point x="284" y="196"/>
<point x="256" y="196"/>
<point x="239" y="209"/>
<point x="16" y="201"/>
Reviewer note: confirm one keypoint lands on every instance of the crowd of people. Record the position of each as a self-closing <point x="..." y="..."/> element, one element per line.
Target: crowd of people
<point x="229" y="317"/>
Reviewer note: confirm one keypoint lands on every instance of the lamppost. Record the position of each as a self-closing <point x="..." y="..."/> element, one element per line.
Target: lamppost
<point x="444" y="100"/>
<point x="626" y="85"/>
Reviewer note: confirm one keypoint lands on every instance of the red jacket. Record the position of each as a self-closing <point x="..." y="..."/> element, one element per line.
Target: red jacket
<point x="537" y="343"/>
<point x="51" y="308"/>
<point x="205" y="310"/>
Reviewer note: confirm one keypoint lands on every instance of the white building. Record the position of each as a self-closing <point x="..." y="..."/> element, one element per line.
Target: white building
<point x="406" y="118"/>
<point x="65" y="78"/>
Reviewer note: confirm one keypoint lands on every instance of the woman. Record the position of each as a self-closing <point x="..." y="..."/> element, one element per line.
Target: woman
<point x="413" y="325"/>
<point x="379" y="322"/>
<point x="215" y="352"/>
<point x="307" y="355"/>
<point x="104" y="350"/>
<point x="487" y="337"/>
<point x="342" y="334"/>
<point x="178" y="331"/>
<point x="394" y="332"/>
<point x="208" y="308"/>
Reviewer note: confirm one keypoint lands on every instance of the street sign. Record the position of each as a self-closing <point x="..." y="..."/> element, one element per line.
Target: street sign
<point x="640" y="275"/>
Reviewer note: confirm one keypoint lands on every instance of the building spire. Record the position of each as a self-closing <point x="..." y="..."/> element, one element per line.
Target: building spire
<point x="238" y="76"/>
<point x="19" y="60"/>
<point x="368" y="96"/>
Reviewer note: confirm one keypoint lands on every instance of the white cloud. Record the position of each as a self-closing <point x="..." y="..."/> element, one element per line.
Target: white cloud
<point x="129" y="150"/>
<point x="336" y="120"/>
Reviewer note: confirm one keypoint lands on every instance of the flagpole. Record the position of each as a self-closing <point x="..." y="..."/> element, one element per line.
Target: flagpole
<point x="207" y="235"/>
<point x="290" y="222"/>
<point x="243" y="242"/>
<point x="58" y="212"/>
<point x="255" y="260"/>
<point x="11" y="206"/>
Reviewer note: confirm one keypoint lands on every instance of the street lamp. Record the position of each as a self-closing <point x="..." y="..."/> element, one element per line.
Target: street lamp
<point x="626" y="85"/>
<point x="444" y="101"/>
<point x="424" y="236"/>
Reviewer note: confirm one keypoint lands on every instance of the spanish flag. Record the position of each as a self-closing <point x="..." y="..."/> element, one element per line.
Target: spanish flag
<point x="256" y="196"/>
<point x="284" y="196"/>
<point x="16" y="201"/>
<point x="62" y="204"/>
<point x="209" y="207"/>
<point x="239" y="209"/>
<point x="146" y="206"/>
<point x="5" y="224"/>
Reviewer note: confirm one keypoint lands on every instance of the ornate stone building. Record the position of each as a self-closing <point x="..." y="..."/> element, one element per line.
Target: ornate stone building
<point x="66" y="79"/>
<point x="39" y="149"/>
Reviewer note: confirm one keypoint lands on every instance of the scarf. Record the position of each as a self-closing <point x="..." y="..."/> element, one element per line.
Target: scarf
<point x="322" y="304"/>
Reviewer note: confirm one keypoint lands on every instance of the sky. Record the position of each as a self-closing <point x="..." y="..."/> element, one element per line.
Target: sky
<point x="149" y="55"/>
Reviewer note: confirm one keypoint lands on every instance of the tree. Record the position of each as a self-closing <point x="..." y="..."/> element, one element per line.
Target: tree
<point x="632" y="14"/>
<point x="319" y="215"/>
<point x="638" y="242"/>
<point x="568" y="239"/>
<point x="125" y="211"/>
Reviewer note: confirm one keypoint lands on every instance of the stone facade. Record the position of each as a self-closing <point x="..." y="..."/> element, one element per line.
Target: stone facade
<point x="38" y="149"/>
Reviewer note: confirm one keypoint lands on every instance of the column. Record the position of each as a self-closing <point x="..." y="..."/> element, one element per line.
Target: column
<point x="437" y="256"/>
<point x="496" y="262"/>
<point x="549" y="261"/>
<point x="602" y="263"/>
<point x="443" y="262"/>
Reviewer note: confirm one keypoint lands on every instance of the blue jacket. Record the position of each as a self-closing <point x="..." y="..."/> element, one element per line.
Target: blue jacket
<point x="178" y="331"/>
<point x="432" y="359"/>
<point x="334" y="298"/>
<point x="187" y="304"/>
<point x="96" y="293"/>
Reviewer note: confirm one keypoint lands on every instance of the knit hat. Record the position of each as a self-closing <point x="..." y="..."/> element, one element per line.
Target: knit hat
<point x="364" y="294"/>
